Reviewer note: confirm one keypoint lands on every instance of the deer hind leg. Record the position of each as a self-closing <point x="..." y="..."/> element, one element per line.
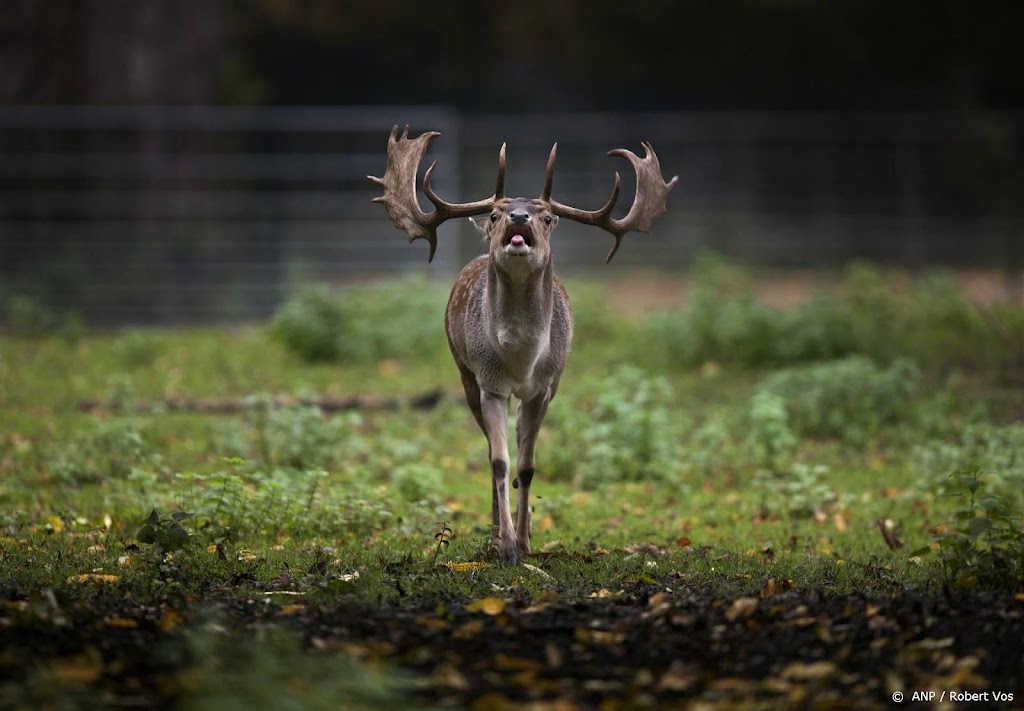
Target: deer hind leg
<point x="494" y="411"/>
<point x="531" y="415"/>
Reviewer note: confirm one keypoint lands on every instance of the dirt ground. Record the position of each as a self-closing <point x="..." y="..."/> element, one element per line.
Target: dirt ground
<point x="651" y="646"/>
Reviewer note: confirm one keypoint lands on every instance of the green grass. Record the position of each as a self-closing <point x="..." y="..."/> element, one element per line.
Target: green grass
<point x="773" y="472"/>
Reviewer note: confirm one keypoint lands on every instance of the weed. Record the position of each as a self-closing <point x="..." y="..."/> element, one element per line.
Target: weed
<point x="164" y="533"/>
<point x="625" y="433"/>
<point x="983" y="544"/>
<point x="363" y="324"/>
<point x="997" y="450"/>
<point x="770" y="437"/>
<point x="800" y="492"/>
<point x="851" y="399"/>
<point x="106" y="451"/>
<point x="418" y="481"/>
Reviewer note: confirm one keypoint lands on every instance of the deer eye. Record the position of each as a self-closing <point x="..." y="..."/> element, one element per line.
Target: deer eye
<point x="494" y="217"/>
<point x="547" y="219"/>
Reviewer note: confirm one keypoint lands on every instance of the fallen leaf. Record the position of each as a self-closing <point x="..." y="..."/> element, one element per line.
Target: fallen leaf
<point x="464" y="567"/>
<point x="122" y="623"/>
<point x="683" y="541"/>
<point x="169" y="620"/>
<point x="888" y="529"/>
<point x="431" y="623"/>
<point x="488" y="605"/>
<point x="678" y="677"/>
<point x="604" y="638"/>
<point x="469" y="630"/>
<point x="810" y="671"/>
<point x="741" y="608"/>
<point x="94" y="578"/>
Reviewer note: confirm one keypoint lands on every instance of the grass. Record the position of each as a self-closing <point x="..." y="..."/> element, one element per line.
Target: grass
<point x="730" y="478"/>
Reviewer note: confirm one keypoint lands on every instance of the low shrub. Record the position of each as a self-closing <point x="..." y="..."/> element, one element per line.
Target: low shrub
<point x="389" y="319"/>
<point x="852" y="399"/>
<point x="621" y="431"/>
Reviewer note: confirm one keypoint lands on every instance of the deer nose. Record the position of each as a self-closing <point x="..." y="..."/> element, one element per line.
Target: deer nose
<point x="519" y="217"/>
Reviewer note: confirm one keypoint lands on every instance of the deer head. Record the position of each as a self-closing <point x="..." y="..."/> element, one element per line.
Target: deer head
<point x="399" y="183"/>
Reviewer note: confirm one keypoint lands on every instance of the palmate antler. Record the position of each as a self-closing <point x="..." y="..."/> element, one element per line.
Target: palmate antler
<point x="648" y="204"/>
<point x="405" y="155"/>
<point x="399" y="182"/>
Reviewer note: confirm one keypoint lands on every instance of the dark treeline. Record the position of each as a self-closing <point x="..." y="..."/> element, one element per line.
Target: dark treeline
<point x="523" y="56"/>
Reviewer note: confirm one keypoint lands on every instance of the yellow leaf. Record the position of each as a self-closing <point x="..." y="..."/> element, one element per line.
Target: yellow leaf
<point x="812" y="671"/>
<point x="507" y="663"/>
<point x="605" y="638"/>
<point x="488" y="605"/>
<point x="122" y="622"/>
<point x="169" y="620"/>
<point x="76" y="671"/>
<point x="464" y="567"/>
<point x="547" y="523"/>
<point x="55" y="524"/>
<point x="292" y="609"/>
<point x="741" y="608"/>
<point x="95" y="578"/>
<point x="469" y="630"/>
<point x="431" y="623"/>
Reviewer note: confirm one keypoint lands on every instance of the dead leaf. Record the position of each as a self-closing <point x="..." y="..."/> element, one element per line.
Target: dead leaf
<point x="466" y="567"/>
<point x="488" y="605"/>
<point x="604" y="638"/>
<point x="122" y="623"/>
<point x="678" y="677"/>
<point x="888" y="529"/>
<point x="448" y="675"/>
<point x="469" y="630"/>
<point x="683" y="541"/>
<point x="741" y="608"/>
<point x="432" y="623"/>
<point x="94" y="578"/>
<point x="810" y="671"/>
<point x="507" y="663"/>
<point x="169" y="620"/>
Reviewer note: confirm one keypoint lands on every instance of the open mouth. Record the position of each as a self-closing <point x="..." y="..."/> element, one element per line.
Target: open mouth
<point x="518" y="239"/>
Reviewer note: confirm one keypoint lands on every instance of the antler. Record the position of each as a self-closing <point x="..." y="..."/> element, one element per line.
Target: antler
<point x="649" y="204"/>
<point x="399" y="183"/>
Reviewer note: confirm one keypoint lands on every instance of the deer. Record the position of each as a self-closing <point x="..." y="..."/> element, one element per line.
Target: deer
<point x="508" y="321"/>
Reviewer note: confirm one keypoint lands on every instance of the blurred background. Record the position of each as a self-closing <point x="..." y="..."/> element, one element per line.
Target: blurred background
<point x="178" y="161"/>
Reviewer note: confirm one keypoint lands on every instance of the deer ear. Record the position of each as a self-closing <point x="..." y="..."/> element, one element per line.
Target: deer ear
<point x="480" y="223"/>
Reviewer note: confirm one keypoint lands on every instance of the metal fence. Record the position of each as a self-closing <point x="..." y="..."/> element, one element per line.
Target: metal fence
<point x="149" y="214"/>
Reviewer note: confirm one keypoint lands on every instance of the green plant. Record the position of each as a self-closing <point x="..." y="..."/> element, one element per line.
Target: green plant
<point x="800" y="492"/>
<point x="770" y="437"/>
<point x="164" y="533"/>
<point x="417" y="481"/>
<point x="107" y="450"/>
<point x="138" y="348"/>
<point x="983" y="544"/>
<point x="623" y="433"/>
<point x="305" y="438"/>
<point x="391" y="319"/>
<point x="851" y="399"/>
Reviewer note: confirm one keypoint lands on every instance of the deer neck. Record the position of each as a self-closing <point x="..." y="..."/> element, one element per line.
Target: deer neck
<point x="519" y="307"/>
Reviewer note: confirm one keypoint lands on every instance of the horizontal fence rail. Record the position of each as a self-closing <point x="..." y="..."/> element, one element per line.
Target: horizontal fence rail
<point x="171" y="215"/>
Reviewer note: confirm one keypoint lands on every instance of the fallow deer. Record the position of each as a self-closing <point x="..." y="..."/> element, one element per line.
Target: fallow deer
<point x="508" y="319"/>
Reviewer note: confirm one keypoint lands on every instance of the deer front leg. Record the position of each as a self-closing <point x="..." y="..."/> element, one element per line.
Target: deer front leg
<point x="531" y="415"/>
<point x="494" y="409"/>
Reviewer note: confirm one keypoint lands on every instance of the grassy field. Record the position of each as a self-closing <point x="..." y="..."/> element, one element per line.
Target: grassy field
<point x="839" y="482"/>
